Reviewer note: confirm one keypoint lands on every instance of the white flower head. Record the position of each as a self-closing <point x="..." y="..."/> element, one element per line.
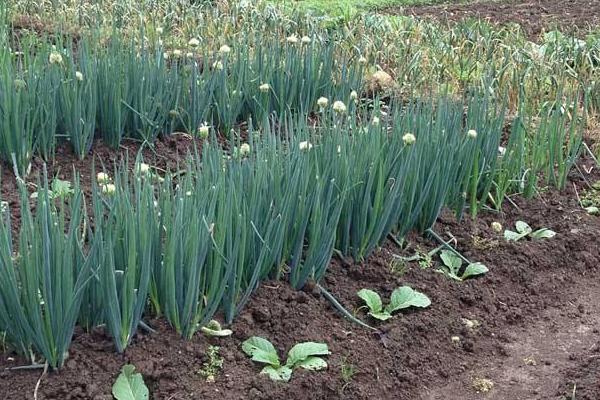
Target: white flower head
<point x="78" y="76"/>
<point x="143" y="168"/>
<point x="322" y="102"/>
<point x="194" y="42"/>
<point x="472" y="134"/>
<point x="218" y="65"/>
<point x="189" y="55"/>
<point x="293" y="39"/>
<point x="339" y="107"/>
<point x="409" y="139"/>
<point x="203" y="131"/>
<point x="166" y="55"/>
<point x="244" y="149"/>
<point x="102" y="178"/>
<point x="265" y="87"/>
<point x="353" y="95"/>
<point x="306" y="145"/>
<point x="305" y="40"/>
<point x="159" y="30"/>
<point x="375" y="121"/>
<point x="177" y="53"/>
<point x="55" y="58"/>
<point x="108" y="189"/>
<point x="225" y="49"/>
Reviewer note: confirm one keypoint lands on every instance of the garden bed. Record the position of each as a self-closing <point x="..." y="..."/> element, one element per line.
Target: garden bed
<point x="534" y="17"/>
<point x="535" y="322"/>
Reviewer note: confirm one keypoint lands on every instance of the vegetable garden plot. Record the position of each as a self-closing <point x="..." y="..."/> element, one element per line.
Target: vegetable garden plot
<point x="303" y="153"/>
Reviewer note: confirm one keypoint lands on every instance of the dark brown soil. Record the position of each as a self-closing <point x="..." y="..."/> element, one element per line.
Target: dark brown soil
<point x="583" y="380"/>
<point x="164" y="155"/>
<point x="534" y="16"/>
<point x="537" y="294"/>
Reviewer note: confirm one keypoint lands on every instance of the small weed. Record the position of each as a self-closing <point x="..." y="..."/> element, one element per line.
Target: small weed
<point x="530" y="361"/>
<point x="398" y="266"/>
<point x="482" y="385"/>
<point x="590" y="199"/>
<point x="425" y="260"/>
<point x="484" y="244"/>
<point x="471" y="324"/>
<point x="348" y="371"/>
<point x="214" y="364"/>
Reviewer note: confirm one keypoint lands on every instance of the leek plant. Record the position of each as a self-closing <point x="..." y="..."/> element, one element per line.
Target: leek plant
<point x="154" y="91"/>
<point x="126" y="226"/>
<point x="113" y="92"/>
<point x="198" y="86"/>
<point x="78" y="99"/>
<point x="563" y="141"/>
<point x="185" y="287"/>
<point x="42" y="282"/>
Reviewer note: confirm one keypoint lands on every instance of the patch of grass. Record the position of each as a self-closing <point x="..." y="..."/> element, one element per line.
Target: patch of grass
<point x="341" y="8"/>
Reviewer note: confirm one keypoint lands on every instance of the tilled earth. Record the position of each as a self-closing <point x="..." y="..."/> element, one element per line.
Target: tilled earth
<point x="534" y="17"/>
<point x="533" y="330"/>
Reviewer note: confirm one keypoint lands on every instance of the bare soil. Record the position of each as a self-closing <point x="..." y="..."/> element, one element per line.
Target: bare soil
<point x="536" y="336"/>
<point x="534" y="16"/>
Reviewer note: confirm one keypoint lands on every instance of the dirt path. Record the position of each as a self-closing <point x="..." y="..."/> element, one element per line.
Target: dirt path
<point x="539" y="354"/>
<point x="534" y="16"/>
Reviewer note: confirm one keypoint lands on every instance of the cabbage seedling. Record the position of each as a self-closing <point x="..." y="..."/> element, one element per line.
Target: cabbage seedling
<point x="302" y="355"/>
<point x="523" y="230"/>
<point x="130" y="385"/>
<point x="593" y="210"/>
<point x="452" y="267"/>
<point x="402" y="297"/>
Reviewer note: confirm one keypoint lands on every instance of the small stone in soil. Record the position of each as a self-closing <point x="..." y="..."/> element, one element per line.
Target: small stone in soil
<point x="262" y="315"/>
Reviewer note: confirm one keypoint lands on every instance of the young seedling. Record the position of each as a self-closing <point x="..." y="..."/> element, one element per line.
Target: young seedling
<point x="213" y="328"/>
<point x="590" y="199"/>
<point x="59" y="190"/>
<point x="302" y="355"/>
<point x="130" y="385"/>
<point x="214" y="364"/>
<point x="452" y="267"/>
<point x="402" y="297"/>
<point x="524" y="230"/>
<point x="425" y="259"/>
<point x="347" y="371"/>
